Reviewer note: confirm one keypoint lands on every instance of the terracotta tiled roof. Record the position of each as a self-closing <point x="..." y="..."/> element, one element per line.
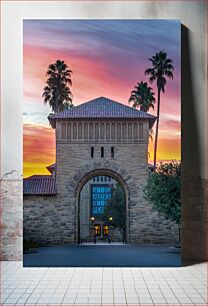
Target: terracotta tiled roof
<point x="102" y="108"/>
<point x="39" y="185"/>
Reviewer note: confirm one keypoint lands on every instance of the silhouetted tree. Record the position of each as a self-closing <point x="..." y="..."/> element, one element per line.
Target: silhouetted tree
<point x="142" y="96"/>
<point x="163" y="190"/>
<point x="57" y="92"/>
<point x="162" y="67"/>
<point x="116" y="209"/>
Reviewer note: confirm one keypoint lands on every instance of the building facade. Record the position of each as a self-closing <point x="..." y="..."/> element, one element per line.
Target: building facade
<point x="97" y="138"/>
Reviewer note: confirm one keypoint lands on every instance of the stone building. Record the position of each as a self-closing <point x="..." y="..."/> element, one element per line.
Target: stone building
<point x="97" y="138"/>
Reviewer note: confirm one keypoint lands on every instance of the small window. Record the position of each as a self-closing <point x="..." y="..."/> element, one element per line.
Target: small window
<point x="96" y="130"/>
<point x="102" y="152"/>
<point x="141" y="131"/>
<point x="63" y="131"/>
<point x="112" y="152"/>
<point x="85" y="131"/>
<point x="124" y="130"/>
<point x="91" y="131"/>
<point x="113" y="131"/>
<point x="101" y="179"/>
<point x="98" y="178"/>
<point x="105" y="178"/>
<point x="93" y="179"/>
<point x="118" y="131"/>
<point x="135" y="132"/>
<point x="130" y="131"/>
<point x="69" y="130"/>
<point x="105" y="230"/>
<point x="80" y="131"/>
<point x="74" y="131"/>
<point x="107" y="130"/>
<point x="97" y="229"/>
<point x="92" y="152"/>
<point x="102" y="130"/>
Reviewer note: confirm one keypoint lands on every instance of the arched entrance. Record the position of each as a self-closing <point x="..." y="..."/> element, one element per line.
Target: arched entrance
<point x="98" y="221"/>
<point x="105" y="168"/>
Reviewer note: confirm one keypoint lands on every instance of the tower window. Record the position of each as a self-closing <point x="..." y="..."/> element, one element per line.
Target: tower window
<point x="113" y="131"/>
<point x="107" y="130"/>
<point x="130" y="130"/>
<point x="118" y="131"/>
<point x="92" y="152"/>
<point x="96" y="130"/>
<point x="112" y="152"/>
<point x="124" y="130"/>
<point x="135" y="132"/>
<point x="141" y="131"/>
<point x="63" y="131"/>
<point x="85" y="131"/>
<point x="74" y="131"/>
<point x="80" y="131"/>
<point x="69" y="130"/>
<point x="102" y="152"/>
<point x="102" y="130"/>
<point x="90" y="131"/>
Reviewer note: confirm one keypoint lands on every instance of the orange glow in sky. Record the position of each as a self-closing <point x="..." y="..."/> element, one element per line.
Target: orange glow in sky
<point x="108" y="58"/>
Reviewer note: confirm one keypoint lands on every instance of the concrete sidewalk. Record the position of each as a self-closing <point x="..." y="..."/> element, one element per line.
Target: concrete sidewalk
<point x="100" y="255"/>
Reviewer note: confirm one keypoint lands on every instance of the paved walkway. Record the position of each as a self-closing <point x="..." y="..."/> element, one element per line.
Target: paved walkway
<point x="99" y="255"/>
<point x="102" y="243"/>
<point x="103" y="286"/>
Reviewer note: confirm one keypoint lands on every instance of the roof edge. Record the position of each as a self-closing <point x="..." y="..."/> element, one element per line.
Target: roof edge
<point x="39" y="194"/>
<point x="52" y="120"/>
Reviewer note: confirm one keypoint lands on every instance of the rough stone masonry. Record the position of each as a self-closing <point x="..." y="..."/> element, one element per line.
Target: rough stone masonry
<point x="99" y="137"/>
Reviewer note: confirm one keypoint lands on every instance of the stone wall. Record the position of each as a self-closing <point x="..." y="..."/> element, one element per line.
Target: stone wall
<point x="46" y="220"/>
<point x="11" y="217"/>
<point x="46" y="223"/>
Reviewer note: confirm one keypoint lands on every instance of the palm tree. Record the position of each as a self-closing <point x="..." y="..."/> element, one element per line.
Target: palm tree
<point x="162" y="67"/>
<point x="57" y="91"/>
<point x="142" y="96"/>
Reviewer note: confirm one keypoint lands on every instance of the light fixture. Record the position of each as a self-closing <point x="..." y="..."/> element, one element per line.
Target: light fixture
<point x="92" y="219"/>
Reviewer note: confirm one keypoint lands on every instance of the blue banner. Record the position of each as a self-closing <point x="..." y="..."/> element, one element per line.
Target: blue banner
<point x="100" y="194"/>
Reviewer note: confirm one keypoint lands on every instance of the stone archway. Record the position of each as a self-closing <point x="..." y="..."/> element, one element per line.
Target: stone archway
<point x="109" y="169"/>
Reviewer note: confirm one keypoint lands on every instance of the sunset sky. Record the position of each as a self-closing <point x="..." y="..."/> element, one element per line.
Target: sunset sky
<point x="108" y="58"/>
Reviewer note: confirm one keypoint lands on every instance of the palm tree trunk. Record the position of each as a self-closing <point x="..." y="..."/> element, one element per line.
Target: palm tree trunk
<point x="157" y="128"/>
<point x="57" y="93"/>
<point x="56" y="104"/>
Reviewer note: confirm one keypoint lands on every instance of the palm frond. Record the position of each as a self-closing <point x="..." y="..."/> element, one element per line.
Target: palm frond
<point x="57" y="91"/>
<point x="142" y="97"/>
